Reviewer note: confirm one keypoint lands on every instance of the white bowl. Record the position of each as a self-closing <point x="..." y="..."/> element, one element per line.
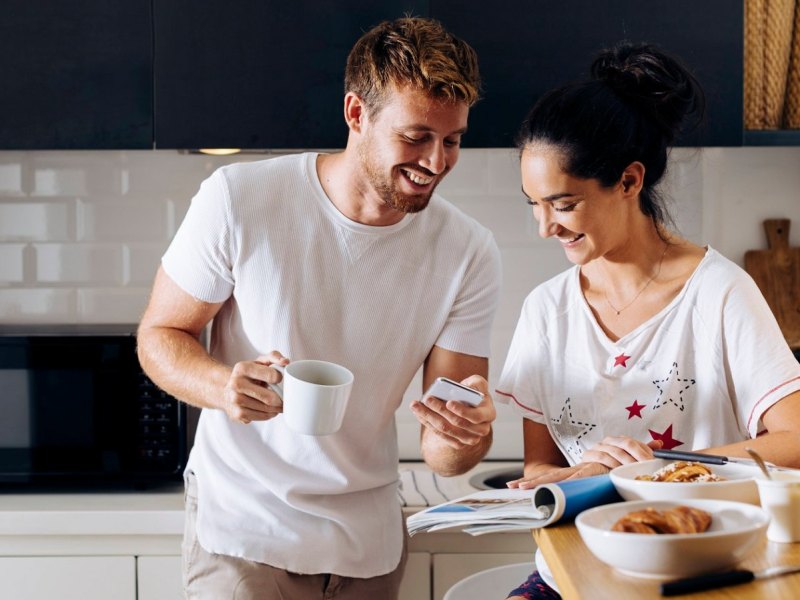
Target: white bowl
<point x="735" y="529"/>
<point x="739" y="484"/>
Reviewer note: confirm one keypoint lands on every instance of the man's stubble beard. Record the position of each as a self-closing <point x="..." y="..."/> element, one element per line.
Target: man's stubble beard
<point x="387" y="190"/>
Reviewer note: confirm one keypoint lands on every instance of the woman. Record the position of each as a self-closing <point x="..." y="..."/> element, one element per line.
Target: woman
<point x="649" y="341"/>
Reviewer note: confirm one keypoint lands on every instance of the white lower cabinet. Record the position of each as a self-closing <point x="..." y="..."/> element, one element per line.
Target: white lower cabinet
<point x="68" y="577"/>
<point x="159" y="578"/>
<point x="416" y="584"/>
<point x="427" y="577"/>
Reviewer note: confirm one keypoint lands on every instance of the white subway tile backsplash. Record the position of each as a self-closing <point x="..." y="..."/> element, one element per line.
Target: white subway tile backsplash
<point x="76" y="174"/>
<point x="37" y="305"/>
<point x="682" y="188"/>
<point x="501" y="340"/>
<point x="743" y="187"/>
<point x="111" y="305"/>
<point x="507" y="216"/>
<point x="176" y="211"/>
<point x="525" y="267"/>
<point x="470" y="176"/>
<point x="504" y="173"/>
<point x="11" y="176"/>
<point x="160" y="174"/>
<point x="165" y="174"/>
<point x="59" y="182"/>
<point x="12" y="263"/>
<point x="36" y="221"/>
<point x="142" y="262"/>
<point x="122" y="220"/>
<point x="92" y="264"/>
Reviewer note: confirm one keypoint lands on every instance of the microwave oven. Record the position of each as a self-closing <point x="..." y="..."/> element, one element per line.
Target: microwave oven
<point x="76" y="408"/>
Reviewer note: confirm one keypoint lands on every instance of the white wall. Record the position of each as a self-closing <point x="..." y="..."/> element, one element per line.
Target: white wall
<point x="81" y="233"/>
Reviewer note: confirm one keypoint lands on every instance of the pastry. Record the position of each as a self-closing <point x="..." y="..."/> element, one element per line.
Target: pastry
<point x="681" y="519"/>
<point x="682" y="471"/>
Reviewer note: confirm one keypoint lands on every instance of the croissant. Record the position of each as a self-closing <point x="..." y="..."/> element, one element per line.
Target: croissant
<point x="682" y="471"/>
<point x="681" y="519"/>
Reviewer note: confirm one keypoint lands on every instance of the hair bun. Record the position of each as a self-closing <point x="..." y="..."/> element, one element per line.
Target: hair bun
<point x="609" y="69"/>
<point x="655" y="82"/>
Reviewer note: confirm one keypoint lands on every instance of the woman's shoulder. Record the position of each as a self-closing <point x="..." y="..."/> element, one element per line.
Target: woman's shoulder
<point x="719" y="282"/>
<point x="555" y="294"/>
<point x="719" y="271"/>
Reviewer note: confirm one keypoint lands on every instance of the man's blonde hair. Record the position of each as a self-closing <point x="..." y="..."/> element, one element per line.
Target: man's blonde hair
<point x="414" y="52"/>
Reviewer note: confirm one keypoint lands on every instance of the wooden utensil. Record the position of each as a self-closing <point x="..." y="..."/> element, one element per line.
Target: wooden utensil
<point x="776" y="270"/>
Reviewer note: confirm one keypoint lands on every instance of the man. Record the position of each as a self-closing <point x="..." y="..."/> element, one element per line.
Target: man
<point x="346" y="257"/>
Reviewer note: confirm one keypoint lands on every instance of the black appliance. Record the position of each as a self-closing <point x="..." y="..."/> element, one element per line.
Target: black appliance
<point x="76" y="408"/>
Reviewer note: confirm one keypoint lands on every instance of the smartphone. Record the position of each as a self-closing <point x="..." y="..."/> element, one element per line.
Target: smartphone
<point x="447" y="389"/>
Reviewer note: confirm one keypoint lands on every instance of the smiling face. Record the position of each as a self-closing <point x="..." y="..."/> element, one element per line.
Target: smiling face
<point x="589" y="220"/>
<point x="408" y="147"/>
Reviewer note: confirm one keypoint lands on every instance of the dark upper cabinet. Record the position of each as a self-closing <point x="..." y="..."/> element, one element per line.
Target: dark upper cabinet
<point x="76" y="74"/>
<point x="525" y="47"/>
<point x="258" y="73"/>
<point x="108" y="74"/>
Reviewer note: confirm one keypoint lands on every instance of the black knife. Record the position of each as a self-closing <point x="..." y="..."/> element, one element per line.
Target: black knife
<point x="711" y="459"/>
<point x="717" y="580"/>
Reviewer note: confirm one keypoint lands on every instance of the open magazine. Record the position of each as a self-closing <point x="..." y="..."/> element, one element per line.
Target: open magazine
<point x="489" y="511"/>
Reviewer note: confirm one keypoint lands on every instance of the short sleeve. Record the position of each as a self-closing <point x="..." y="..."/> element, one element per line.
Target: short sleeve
<point x="469" y="324"/>
<point x="761" y="367"/>
<point x="200" y="257"/>
<point x="517" y="386"/>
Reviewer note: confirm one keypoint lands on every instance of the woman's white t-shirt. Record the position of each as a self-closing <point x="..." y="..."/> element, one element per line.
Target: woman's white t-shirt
<point x="698" y="374"/>
<point x="297" y="276"/>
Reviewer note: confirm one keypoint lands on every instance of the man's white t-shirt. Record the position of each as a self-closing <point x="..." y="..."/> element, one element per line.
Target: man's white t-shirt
<point x="297" y="276"/>
<point x="698" y="374"/>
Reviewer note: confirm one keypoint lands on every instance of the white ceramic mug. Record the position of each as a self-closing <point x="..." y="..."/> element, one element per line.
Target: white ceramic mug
<point x="315" y="395"/>
<point x="780" y="497"/>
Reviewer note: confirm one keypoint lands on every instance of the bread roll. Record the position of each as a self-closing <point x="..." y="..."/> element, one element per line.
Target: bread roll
<point x="682" y="471"/>
<point x="681" y="519"/>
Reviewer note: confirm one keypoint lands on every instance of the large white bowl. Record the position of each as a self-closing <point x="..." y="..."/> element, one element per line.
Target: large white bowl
<point x="735" y="529"/>
<point x="739" y="484"/>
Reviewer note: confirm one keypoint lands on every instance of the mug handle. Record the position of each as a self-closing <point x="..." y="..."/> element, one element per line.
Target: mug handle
<point x="277" y="387"/>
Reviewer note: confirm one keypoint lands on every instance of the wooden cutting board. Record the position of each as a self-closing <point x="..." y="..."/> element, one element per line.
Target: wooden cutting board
<point x="776" y="270"/>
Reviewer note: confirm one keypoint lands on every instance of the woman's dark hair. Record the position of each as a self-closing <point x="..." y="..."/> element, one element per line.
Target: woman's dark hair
<point x="636" y="103"/>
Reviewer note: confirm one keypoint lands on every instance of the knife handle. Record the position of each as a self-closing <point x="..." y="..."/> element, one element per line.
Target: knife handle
<point x="705" y="582"/>
<point x="711" y="459"/>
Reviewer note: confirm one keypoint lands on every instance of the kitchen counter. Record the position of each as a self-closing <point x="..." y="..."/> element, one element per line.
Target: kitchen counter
<point x="121" y="513"/>
<point x="102" y="520"/>
<point x="96" y="523"/>
<point x="127" y="544"/>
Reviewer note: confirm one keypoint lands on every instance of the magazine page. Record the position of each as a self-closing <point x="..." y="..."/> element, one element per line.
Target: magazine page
<point x="489" y="511"/>
<point x="486" y="506"/>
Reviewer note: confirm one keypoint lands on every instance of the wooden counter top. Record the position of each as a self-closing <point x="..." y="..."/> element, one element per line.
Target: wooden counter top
<point x="580" y="575"/>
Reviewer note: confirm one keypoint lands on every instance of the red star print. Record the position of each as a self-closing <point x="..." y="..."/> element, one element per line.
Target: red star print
<point x="622" y="359"/>
<point x="635" y="410"/>
<point x="666" y="437"/>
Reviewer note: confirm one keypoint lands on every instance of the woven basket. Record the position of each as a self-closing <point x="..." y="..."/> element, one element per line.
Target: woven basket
<point x="791" y="114"/>
<point x="769" y="25"/>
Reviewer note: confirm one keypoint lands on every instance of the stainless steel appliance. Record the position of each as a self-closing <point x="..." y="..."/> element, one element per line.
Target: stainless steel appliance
<point x="76" y="408"/>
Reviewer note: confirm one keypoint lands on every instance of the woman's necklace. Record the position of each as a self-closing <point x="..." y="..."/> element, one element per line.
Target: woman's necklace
<point x="644" y="287"/>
